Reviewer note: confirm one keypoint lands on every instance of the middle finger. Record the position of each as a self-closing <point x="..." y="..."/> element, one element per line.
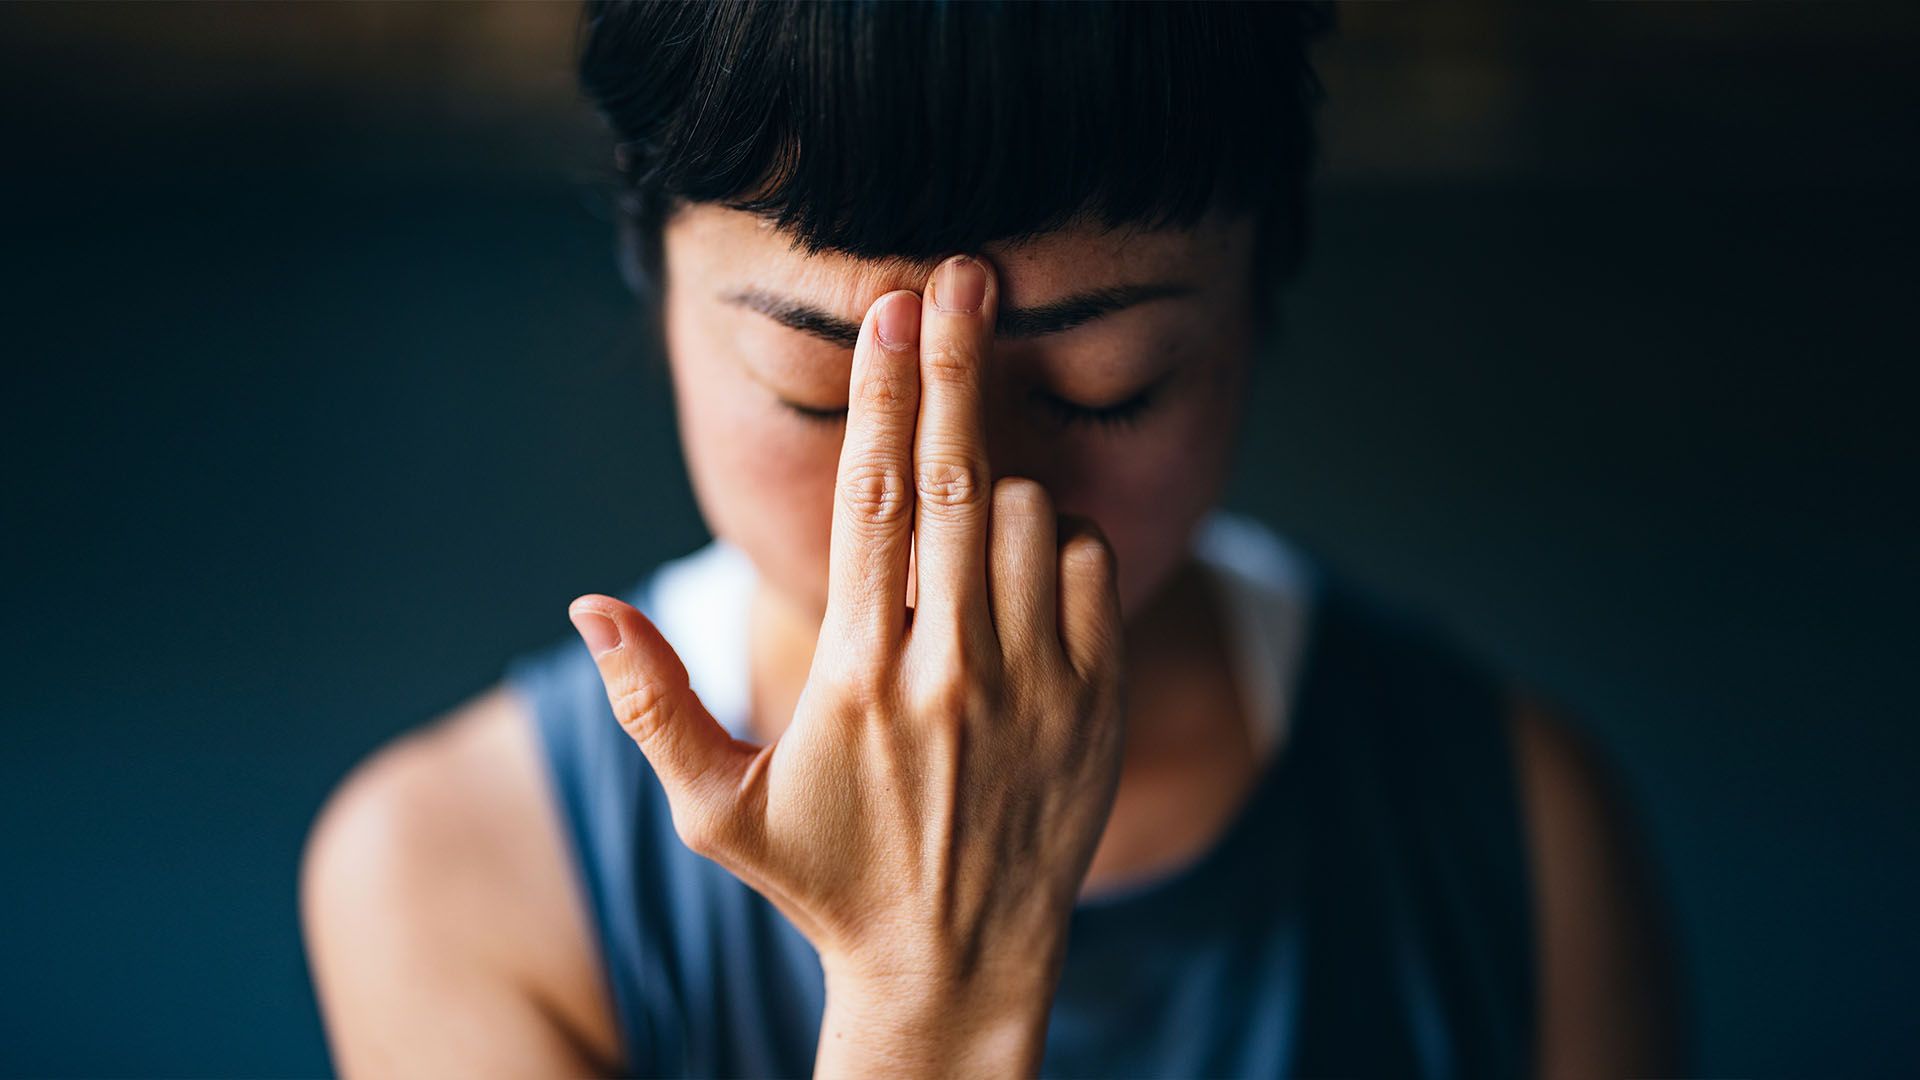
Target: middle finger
<point x="951" y="473"/>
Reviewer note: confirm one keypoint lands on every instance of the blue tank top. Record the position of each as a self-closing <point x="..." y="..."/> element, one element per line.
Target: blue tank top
<point x="1367" y="911"/>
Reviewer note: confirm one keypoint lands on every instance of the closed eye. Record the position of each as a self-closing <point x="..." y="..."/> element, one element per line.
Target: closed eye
<point x="1118" y="416"/>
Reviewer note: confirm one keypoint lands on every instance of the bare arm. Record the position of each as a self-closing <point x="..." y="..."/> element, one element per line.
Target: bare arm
<point x="1609" y="996"/>
<point x="435" y="920"/>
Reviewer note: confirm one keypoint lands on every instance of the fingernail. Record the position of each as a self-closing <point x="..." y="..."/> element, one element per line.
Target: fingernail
<point x="898" y="323"/>
<point x="596" y="630"/>
<point x="961" y="285"/>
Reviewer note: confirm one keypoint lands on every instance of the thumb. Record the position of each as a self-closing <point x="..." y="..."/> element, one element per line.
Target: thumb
<point x="652" y="697"/>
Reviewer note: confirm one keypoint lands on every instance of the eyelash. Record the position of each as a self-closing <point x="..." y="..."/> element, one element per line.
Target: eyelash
<point x="1116" y="417"/>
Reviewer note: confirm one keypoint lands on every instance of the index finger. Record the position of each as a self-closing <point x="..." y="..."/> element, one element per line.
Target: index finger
<point x="873" y="493"/>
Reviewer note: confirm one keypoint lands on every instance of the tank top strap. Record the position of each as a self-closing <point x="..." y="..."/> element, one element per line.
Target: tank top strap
<point x="689" y="954"/>
<point x="1417" y="894"/>
<point x="1266" y="588"/>
<point x="597" y="778"/>
<point x="1368" y="912"/>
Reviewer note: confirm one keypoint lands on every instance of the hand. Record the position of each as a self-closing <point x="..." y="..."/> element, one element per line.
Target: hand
<point x="928" y="816"/>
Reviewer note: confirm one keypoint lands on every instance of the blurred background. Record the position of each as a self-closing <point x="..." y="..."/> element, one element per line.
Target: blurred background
<point x="314" y="347"/>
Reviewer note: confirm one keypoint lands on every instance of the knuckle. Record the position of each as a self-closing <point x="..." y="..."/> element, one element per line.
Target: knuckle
<point x="956" y="683"/>
<point x="948" y="483"/>
<point x="1088" y="555"/>
<point x="882" y="389"/>
<point x="862" y="678"/>
<point x="1020" y="496"/>
<point x="948" y="362"/>
<point x="945" y="699"/>
<point x="875" y="494"/>
<point x="851" y="677"/>
<point x="644" y="710"/>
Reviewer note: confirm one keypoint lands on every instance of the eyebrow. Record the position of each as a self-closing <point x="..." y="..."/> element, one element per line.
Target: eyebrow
<point x="1031" y="322"/>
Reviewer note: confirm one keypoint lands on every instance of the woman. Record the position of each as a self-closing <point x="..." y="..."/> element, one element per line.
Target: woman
<point x="979" y="740"/>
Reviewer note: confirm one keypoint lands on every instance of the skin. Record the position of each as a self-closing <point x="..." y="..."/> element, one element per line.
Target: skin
<point x="956" y="584"/>
<point x="927" y="814"/>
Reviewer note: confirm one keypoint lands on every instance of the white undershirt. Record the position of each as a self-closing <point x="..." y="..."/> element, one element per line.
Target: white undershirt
<point x="702" y="603"/>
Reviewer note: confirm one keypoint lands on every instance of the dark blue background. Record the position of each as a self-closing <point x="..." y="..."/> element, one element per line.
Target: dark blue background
<point x="323" y="400"/>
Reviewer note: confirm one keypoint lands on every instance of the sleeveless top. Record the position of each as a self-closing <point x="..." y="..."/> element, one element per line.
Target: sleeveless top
<point x="1366" y="912"/>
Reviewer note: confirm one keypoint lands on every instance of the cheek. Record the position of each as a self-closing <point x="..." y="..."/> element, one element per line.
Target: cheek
<point x="1149" y="489"/>
<point x="763" y="480"/>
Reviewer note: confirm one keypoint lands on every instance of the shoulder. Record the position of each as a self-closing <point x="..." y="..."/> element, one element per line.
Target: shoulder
<point x="1607" y="987"/>
<point x="436" y="899"/>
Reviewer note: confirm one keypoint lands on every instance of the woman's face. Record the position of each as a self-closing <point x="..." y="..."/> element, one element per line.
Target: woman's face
<point x="1088" y="320"/>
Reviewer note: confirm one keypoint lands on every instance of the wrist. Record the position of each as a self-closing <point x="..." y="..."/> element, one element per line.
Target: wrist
<point x="989" y="1022"/>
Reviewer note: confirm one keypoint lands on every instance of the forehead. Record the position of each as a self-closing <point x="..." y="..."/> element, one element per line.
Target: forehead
<point x="714" y="246"/>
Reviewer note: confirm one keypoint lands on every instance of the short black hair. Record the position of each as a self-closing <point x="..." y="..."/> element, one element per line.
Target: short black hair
<point x="906" y="130"/>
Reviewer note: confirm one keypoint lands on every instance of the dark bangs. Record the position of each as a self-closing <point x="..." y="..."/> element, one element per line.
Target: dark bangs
<point x="903" y="130"/>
